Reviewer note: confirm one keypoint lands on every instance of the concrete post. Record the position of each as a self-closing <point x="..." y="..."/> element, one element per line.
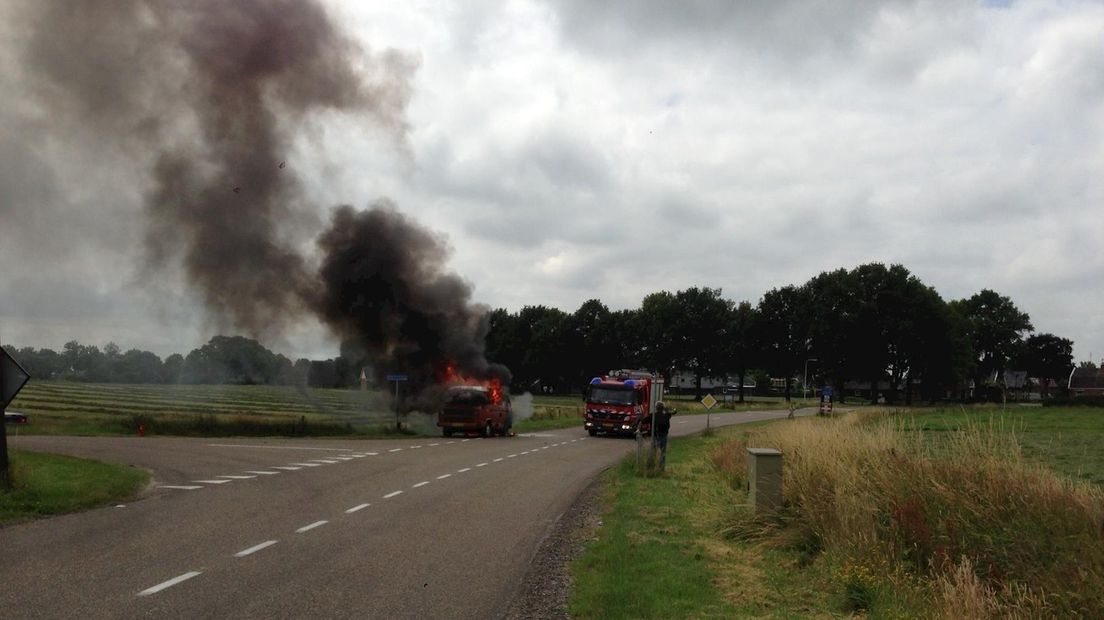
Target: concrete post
<point x="764" y="469"/>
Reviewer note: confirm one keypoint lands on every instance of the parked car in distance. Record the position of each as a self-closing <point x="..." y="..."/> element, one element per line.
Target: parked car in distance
<point x="14" y="417"/>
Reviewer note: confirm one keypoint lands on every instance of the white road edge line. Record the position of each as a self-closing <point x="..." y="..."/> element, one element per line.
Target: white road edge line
<point x="211" y="481"/>
<point x="434" y="444"/>
<point x="509" y="456"/>
<point x="308" y="464"/>
<point x="394" y="449"/>
<point x="263" y="473"/>
<point x="182" y="487"/>
<point x="286" y="467"/>
<point x="307" y="528"/>
<point x="231" y="445"/>
<point x="356" y="508"/>
<point x="460" y="471"/>
<point x="420" y="484"/>
<point x="372" y="453"/>
<point x="443" y="476"/>
<point x="326" y="461"/>
<point x="255" y="548"/>
<point x="392" y="494"/>
<point x="497" y="460"/>
<point x="170" y="583"/>
<point x="237" y="477"/>
<point x="483" y="464"/>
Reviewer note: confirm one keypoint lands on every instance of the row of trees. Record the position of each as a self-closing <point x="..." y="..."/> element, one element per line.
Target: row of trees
<point x="873" y="324"/>
<point x="223" y="360"/>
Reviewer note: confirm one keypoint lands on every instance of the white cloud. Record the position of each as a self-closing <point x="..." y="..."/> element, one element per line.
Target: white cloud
<point x="572" y="150"/>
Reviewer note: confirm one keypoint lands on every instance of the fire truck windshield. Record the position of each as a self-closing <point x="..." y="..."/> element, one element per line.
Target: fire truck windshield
<point x="612" y="396"/>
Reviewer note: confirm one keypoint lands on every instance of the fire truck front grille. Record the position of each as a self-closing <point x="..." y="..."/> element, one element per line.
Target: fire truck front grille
<point x="606" y="415"/>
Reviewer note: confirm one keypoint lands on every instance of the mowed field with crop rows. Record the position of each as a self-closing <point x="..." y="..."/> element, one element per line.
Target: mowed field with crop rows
<point x="93" y="408"/>
<point x="65" y="407"/>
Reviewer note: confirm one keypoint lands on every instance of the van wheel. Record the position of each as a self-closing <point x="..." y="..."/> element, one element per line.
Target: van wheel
<point x="488" y="430"/>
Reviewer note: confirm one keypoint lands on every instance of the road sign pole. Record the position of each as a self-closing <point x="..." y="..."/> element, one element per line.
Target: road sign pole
<point x="398" y="426"/>
<point x="5" y="477"/>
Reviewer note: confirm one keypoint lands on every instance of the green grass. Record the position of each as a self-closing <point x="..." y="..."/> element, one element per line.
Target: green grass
<point x="1066" y="439"/>
<point x="658" y="552"/>
<point x="923" y="513"/>
<point x="46" y="484"/>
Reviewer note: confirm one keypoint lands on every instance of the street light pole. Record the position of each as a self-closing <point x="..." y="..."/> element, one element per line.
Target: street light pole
<point x="805" y="379"/>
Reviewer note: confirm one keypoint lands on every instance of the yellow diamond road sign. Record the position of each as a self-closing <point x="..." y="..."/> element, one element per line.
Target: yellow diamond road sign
<point x="709" y="401"/>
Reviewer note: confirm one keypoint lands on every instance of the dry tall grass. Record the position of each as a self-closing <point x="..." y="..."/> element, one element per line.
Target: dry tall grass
<point x="961" y="520"/>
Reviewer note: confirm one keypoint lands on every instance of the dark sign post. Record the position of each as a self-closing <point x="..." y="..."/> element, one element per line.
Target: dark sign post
<point x="12" y="379"/>
<point x="397" y="379"/>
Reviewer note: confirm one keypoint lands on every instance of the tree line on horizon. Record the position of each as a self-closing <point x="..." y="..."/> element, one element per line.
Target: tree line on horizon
<point x="873" y="324"/>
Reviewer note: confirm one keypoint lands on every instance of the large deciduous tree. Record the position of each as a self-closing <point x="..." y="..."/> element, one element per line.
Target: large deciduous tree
<point x="1047" y="358"/>
<point x="995" y="327"/>
<point x="784" y="332"/>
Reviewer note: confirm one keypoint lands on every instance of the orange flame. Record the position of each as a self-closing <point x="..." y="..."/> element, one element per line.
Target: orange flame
<point x="450" y="376"/>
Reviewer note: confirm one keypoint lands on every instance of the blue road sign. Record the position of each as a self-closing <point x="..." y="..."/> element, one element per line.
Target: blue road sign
<point x="826" y="391"/>
<point x="398" y="378"/>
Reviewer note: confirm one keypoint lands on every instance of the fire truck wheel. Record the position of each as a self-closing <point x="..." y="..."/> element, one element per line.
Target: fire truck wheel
<point x="592" y="432"/>
<point x="488" y="430"/>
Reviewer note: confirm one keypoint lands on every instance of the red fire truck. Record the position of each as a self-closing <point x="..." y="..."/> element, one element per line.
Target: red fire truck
<point x="622" y="402"/>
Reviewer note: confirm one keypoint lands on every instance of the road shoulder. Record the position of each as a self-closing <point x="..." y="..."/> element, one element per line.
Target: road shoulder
<point x="547" y="584"/>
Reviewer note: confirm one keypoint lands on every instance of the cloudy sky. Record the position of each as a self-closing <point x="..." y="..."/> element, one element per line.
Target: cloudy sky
<point x="572" y="150"/>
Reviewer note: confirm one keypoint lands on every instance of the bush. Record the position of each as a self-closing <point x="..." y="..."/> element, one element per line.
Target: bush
<point x="1087" y="400"/>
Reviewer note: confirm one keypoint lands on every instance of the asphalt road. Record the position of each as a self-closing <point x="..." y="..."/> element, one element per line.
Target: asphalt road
<point x="264" y="528"/>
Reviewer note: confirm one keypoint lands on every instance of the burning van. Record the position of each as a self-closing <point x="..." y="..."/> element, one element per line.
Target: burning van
<point x="475" y="408"/>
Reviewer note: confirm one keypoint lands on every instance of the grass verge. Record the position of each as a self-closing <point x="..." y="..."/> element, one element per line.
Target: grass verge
<point x="46" y="484"/>
<point x="890" y="514"/>
<point x="659" y="552"/>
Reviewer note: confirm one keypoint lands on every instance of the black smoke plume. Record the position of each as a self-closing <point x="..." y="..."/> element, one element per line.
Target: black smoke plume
<point x="208" y="96"/>
<point x="384" y="287"/>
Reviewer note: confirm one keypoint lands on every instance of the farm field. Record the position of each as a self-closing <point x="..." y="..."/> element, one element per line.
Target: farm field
<point x="71" y="408"/>
<point x="1065" y="439"/>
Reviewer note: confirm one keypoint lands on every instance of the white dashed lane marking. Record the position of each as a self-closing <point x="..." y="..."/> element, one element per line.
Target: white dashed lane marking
<point x="255" y="548"/>
<point x="170" y="583"/>
<point x="182" y="487"/>
<point x="316" y="463"/>
<point x="307" y="528"/>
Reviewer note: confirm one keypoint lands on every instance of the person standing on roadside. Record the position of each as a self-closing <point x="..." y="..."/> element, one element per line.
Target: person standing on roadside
<point x="659" y="433"/>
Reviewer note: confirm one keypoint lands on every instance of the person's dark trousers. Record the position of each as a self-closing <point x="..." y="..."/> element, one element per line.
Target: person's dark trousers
<point x="661" y="445"/>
